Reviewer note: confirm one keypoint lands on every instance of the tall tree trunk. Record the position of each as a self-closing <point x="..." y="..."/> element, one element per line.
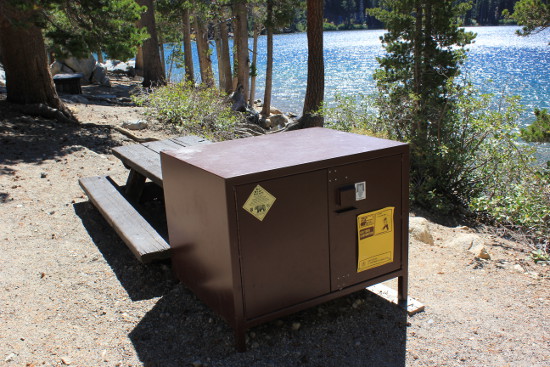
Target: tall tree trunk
<point x="162" y="55"/>
<point x="219" y="51"/>
<point x="417" y="54"/>
<point x="100" y="56"/>
<point x="241" y="39"/>
<point x="28" y="78"/>
<point x="226" y="61"/>
<point x="234" y="70"/>
<point x="153" y="73"/>
<point x="205" y="62"/>
<point x="139" y="61"/>
<point x="315" y="88"/>
<point x="187" y="50"/>
<point x="269" y="62"/>
<point x="253" y="66"/>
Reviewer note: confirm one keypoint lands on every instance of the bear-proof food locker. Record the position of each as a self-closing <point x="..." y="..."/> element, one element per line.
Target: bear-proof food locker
<point x="266" y="226"/>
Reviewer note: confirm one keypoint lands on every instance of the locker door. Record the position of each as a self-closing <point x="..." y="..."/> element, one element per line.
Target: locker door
<point x="356" y="189"/>
<point x="284" y="256"/>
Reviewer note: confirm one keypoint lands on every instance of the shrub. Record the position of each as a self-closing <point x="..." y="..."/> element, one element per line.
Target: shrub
<point x="200" y="111"/>
<point x="329" y="26"/>
<point x="475" y="165"/>
<point x="352" y="114"/>
<point x="538" y="131"/>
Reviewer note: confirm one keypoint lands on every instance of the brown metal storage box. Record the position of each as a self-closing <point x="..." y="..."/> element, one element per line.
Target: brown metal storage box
<point x="266" y="226"/>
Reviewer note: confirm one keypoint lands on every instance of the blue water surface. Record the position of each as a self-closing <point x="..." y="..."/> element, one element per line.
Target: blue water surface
<point x="499" y="62"/>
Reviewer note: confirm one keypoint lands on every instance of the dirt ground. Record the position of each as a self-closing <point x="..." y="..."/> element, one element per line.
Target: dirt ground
<point x="73" y="294"/>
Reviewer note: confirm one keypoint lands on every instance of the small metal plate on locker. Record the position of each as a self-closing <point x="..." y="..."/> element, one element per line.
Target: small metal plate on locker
<point x="360" y="191"/>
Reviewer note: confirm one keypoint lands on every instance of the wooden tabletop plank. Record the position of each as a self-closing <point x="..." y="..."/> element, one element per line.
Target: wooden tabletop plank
<point x="190" y="140"/>
<point x="158" y="146"/>
<point x="145" y="158"/>
<point x="141" y="159"/>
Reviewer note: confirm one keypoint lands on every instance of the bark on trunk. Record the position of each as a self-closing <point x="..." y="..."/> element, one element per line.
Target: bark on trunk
<point x="139" y="62"/>
<point x="153" y="73"/>
<point x="269" y="62"/>
<point x="187" y="50"/>
<point x="28" y="78"/>
<point x="219" y="50"/>
<point x="241" y="39"/>
<point x="315" y="65"/>
<point x="226" y="61"/>
<point x="253" y="70"/>
<point x="100" y="56"/>
<point x="162" y="55"/>
<point x="205" y="62"/>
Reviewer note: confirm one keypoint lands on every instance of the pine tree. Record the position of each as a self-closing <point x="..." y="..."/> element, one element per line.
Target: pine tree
<point x="425" y="48"/>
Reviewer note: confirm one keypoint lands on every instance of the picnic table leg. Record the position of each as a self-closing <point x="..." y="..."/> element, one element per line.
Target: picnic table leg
<point x="135" y="185"/>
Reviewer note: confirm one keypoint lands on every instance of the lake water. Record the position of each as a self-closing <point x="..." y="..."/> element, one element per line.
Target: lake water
<point x="498" y="62"/>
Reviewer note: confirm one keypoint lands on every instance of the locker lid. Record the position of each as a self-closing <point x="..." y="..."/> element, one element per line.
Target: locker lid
<point x="305" y="149"/>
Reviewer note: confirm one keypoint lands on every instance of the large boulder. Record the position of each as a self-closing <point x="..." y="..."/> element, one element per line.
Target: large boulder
<point x="92" y="71"/>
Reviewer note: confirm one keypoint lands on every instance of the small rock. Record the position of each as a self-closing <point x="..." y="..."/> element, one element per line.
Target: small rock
<point x="275" y="111"/>
<point x="467" y="241"/>
<point x="43" y="175"/>
<point x="357" y="303"/>
<point x="519" y="268"/>
<point x="135" y="125"/>
<point x="66" y="360"/>
<point x="419" y="229"/>
<point x="279" y="120"/>
<point x="196" y="364"/>
<point x="296" y="326"/>
<point x="10" y="357"/>
<point x="479" y="250"/>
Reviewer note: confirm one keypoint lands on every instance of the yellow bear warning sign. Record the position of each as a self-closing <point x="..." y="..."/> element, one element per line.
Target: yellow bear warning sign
<point x="259" y="202"/>
<point x="375" y="238"/>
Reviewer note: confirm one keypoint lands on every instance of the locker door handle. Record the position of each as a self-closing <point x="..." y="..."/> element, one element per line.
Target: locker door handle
<point x="346" y="210"/>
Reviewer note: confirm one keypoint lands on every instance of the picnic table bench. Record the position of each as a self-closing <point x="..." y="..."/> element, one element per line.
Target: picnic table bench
<point x="117" y="204"/>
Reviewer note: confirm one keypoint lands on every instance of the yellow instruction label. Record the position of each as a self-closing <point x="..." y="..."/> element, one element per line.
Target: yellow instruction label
<point x="259" y="202"/>
<point x="375" y="238"/>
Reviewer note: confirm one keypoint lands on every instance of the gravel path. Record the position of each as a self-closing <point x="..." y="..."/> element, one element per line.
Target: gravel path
<point x="72" y="293"/>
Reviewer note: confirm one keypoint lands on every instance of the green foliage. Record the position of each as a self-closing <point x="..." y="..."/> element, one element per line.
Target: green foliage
<point x="329" y="26"/>
<point x="538" y="131"/>
<point x="540" y="255"/>
<point x="352" y="114"/>
<point x="533" y="15"/>
<point x="465" y="150"/>
<point x="80" y="27"/>
<point x="200" y="111"/>
<point x="418" y="98"/>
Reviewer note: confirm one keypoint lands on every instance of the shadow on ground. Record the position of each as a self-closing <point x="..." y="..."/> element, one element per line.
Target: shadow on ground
<point x="26" y="139"/>
<point x="181" y="330"/>
<point x="140" y="281"/>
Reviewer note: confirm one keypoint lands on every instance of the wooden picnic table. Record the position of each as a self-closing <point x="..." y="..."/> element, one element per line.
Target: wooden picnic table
<point x="117" y="203"/>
